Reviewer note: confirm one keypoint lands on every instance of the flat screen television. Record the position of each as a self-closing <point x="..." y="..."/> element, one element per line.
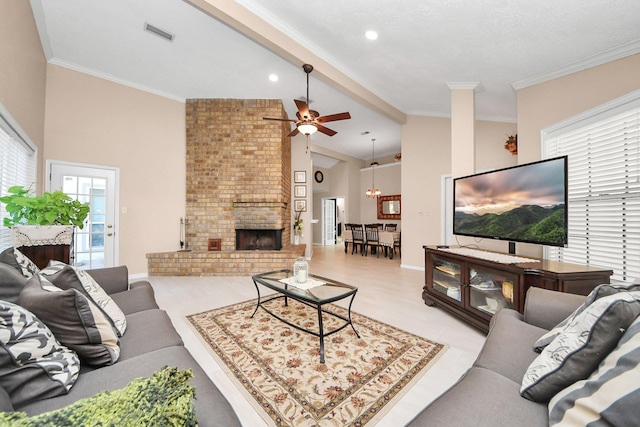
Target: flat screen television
<point x="525" y="203"/>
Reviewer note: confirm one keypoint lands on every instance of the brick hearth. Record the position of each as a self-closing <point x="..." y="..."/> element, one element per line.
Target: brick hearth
<point x="238" y="174"/>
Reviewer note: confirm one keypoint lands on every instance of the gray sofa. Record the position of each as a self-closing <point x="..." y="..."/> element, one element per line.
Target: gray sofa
<point x="149" y="343"/>
<point x="489" y="392"/>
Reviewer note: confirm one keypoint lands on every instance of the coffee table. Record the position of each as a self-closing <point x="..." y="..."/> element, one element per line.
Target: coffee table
<point x="329" y="291"/>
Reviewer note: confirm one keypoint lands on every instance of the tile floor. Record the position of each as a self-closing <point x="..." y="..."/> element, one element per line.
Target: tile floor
<point x="386" y="292"/>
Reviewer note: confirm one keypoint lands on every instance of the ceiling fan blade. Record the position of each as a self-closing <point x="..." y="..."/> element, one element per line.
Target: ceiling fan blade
<point x="325" y="130"/>
<point x="303" y="109"/>
<point x="333" y="117"/>
<point x="279" y="119"/>
<point x="294" y="132"/>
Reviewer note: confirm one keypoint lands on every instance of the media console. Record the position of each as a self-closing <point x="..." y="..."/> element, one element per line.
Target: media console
<point x="475" y="288"/>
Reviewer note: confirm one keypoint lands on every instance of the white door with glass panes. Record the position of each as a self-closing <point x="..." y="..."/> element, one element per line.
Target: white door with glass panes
<point x="329" y="222"/>
<point x="95" y="245"/>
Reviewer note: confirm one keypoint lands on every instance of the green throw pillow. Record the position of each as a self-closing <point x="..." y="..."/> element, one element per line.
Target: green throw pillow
<point x="166" y="399"/>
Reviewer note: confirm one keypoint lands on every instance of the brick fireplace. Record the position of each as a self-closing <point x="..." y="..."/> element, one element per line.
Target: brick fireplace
<point x="238" y="173"/>
<point x="259" y="225"/>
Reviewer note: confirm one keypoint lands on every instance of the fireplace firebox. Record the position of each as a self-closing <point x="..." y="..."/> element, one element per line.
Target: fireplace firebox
<point x="258" y="240"/>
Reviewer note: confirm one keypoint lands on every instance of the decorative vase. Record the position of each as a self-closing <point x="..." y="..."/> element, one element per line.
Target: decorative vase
<point x="296" y="239"/>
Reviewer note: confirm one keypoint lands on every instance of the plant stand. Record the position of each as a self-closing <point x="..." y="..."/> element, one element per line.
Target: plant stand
<point x="44" y="243"/>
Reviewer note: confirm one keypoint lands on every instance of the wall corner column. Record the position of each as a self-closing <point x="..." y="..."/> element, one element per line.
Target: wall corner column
<point x="463" y="112"/>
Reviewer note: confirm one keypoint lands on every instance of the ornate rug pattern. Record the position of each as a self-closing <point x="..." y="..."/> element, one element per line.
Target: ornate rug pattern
<point x="279" y="366"/>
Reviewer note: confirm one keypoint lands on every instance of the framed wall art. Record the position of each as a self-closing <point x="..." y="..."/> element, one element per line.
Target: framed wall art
<point x="300" y="177"/>
<point x="300" y="191"/>
<point x="300" y="205"/>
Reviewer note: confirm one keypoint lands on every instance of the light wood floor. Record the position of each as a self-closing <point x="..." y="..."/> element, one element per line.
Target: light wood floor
<point x="386" y="292"/>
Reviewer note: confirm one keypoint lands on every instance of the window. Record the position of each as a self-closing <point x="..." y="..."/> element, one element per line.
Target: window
<point x="17" y="167"/>
<point x="603" y="146"/>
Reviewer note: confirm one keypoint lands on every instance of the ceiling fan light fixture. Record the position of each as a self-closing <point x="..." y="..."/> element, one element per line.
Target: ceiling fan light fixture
<point x="307" y="128"/>
<point x="310" y="121"/>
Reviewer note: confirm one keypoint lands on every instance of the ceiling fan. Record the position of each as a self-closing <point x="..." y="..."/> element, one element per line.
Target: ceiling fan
<point x="309" y="121"/>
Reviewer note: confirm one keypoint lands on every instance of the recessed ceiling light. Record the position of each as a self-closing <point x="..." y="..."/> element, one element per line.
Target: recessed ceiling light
<point x="371" y="35"/>
<point x="273" y="77"/>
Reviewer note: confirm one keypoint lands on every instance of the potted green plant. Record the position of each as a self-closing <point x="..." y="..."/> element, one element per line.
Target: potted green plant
<point x="57" y="208"/>
<point x="511" y="144"/>
<point x="41" y="223"/>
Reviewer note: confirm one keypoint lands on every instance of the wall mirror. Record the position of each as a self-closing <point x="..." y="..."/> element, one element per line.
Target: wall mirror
<point x="389" y="207"/>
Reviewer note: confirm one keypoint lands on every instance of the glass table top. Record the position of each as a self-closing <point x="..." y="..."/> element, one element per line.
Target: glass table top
<point x="327" y="291"/>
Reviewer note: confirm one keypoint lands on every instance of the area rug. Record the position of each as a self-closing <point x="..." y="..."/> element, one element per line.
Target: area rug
<point x="279" y="366"/>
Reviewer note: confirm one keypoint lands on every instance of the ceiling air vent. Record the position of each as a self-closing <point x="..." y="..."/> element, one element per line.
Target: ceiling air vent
<point x="158" y="32"/>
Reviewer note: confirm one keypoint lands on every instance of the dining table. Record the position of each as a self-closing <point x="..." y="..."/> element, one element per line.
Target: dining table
<point x="386" y="239"/>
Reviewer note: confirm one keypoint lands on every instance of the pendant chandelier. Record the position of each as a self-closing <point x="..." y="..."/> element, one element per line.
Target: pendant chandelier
<point x="373" y="192"/>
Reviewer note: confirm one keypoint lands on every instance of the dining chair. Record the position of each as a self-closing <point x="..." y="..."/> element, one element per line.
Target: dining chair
<point x="390" y="227"/>
<point x="397" y="244"/>
<point x="373" y="240"/>
<point x="347" y="240"/>
<point x="358" y="239"/>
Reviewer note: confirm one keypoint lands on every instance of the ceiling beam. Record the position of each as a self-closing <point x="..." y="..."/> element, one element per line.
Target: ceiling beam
<point x="257" y="29"/>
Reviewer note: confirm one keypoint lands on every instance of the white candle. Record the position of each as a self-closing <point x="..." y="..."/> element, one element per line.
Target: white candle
<point x="302" y="277"/>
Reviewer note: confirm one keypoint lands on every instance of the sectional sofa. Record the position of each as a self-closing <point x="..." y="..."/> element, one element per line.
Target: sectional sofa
<point x="575" y="359"/>
<point x="148" y="344"/>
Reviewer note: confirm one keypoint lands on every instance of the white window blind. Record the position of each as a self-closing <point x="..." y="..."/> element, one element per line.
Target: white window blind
<point x="17" y="167"/>
<point x="604" y="189"/>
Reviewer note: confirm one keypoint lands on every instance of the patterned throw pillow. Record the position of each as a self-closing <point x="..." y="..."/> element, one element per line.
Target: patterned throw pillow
<point x="19" y="261"/>
<point x="576" y="352"/>
<point x="67" y="277"/>
<point x="74" y="319"/>
<point x="610" y="396"/>
<point x="597" y="292"/>
<point x="33" y="364"/>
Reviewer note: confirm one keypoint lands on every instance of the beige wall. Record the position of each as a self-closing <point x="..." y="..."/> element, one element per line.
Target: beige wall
<point x="342" y="180"/>
<point x="547" y="103"/>
<point x="94" y="121"/>
<point x="23" y="72"/>
<point x="426" y="157"/>
<point x="388" y="179"/>
<point x="301" y="161"/>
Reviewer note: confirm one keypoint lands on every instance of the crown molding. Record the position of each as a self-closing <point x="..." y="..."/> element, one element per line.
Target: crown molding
<point x="618" y="52"/>
<point x="38" y="17"/>
<point x="113" y="79"/>
<point x="463" y="85"/>
<point x="485" y="118"/>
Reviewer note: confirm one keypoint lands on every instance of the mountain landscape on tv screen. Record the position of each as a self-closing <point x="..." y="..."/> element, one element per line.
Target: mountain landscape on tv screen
<point x="529" y="223"/>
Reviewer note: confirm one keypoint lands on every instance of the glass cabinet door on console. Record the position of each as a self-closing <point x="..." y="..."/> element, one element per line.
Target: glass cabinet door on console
<point x="475" y="289"/>
<point x="447" y="279"/>
<point x="491" y="290"/>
